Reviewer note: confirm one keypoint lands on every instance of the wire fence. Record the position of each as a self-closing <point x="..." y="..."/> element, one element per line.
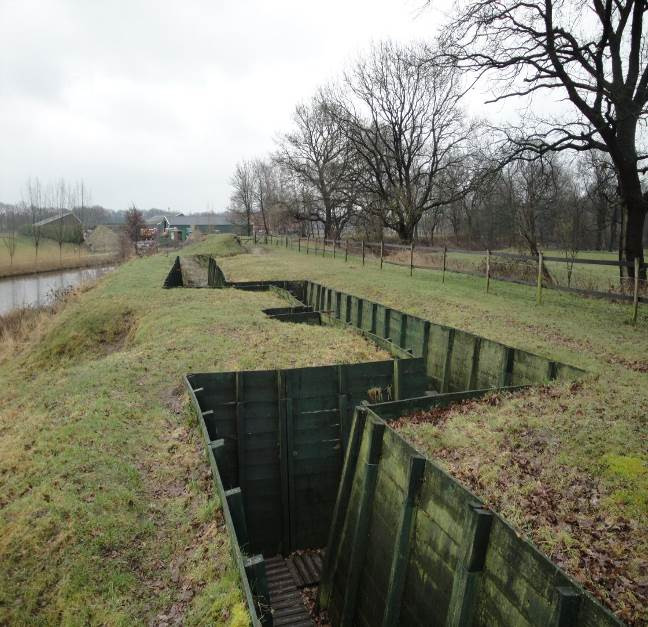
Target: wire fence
<point x="572" y="272"/>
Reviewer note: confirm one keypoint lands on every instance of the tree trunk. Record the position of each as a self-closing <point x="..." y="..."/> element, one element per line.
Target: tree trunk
<point x="634" y="218"/>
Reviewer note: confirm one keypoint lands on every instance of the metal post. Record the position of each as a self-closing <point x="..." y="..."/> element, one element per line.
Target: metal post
<point x="635" y="304"/>
<point x="539" y="286"/>
<point x="487" y="270"/>
<point x="382" y="245"/>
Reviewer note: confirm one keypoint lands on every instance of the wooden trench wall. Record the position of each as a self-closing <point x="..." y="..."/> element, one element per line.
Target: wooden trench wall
<point x="455" y="360"/>
<point x="305" y="458"/>
<point x="409" y="545"/>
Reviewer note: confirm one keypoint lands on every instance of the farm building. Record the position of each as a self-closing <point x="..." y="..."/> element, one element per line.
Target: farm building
<point x="66" y="227"/>
<point x="180" y="227"/>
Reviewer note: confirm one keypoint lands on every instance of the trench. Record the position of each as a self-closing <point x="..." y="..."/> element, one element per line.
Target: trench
<point x="320" y="495"/>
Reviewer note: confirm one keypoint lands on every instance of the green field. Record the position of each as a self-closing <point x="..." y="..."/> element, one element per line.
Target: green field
<point x="49" y="256"/>
<point x="106" y="510"/>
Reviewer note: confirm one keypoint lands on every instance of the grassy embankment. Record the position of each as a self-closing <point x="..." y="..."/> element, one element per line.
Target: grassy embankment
<point x="107" y="515"/>
<point x="568" y="464"/>
<point x="49" y="259"/>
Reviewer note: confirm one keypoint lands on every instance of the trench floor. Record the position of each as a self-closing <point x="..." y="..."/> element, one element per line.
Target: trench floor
<point x="286" y="577"/>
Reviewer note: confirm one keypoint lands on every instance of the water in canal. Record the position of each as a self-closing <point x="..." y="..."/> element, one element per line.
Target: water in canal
<point x="37" y="290"/>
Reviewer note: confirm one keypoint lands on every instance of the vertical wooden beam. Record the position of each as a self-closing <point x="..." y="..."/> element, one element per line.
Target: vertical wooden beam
<point x="635" y="299"/>
<point x="343" y="407"/>
<point x="307" y="243"/>
<point x="363" y="252"/>
<point x="425" y="345"/>
<point x="539" y="281"/>
<point x="568" y="601"/>
<point x="333" y="248"/>
<point x="290" y="449"/>
<point x="284" y="454"/>
<point x="234" y="499"/>
<point x="374" y="310"/>
<point x="299" y="244"/>
<point x="445" y="254"/>
<point x="346" y="250"/>
<point x="360" y="532"/>
<point x="552" y="370"/>
<point x="488" y="256"/>
<point x="397" y="380"/>
<point x="386" y="323"/>
<point x="400" y="555"/>
<point x="256" y="573"/>
<point x="347" y="317"/>
<point x="411" y="258"/>
<point x="359" y="313"/>
<point x="382" y="247"/>
<point x="403" y="331"/>
<point x="324" y="247"/>
<point x="506" y="373"/>
<point x="341" y="507"/>
<point x="474" y="364"/>
<point x="445" y="375"/>
<point x="240" y="429"/>
<point x="470" y="564"/>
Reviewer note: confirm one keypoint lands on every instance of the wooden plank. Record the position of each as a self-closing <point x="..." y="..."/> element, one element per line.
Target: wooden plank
<point x="466" y="579"/>
<point x="568" y="602"/>
<point x="235" y="503"/>
<point x="398" y="571"/>
<point x="284" y="454"/>
<point x="445" y="376"/>
<point x="340" y="509"/>
<point x="256" y="574"/>
<point x="474" y="367"/>
<point x="359" y="537"/>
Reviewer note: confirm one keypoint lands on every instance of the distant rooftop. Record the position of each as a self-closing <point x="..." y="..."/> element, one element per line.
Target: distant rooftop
<point x="55" y="218"/>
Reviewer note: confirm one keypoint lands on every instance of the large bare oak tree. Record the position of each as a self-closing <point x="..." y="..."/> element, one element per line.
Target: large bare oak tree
<point x="595" y="54"/>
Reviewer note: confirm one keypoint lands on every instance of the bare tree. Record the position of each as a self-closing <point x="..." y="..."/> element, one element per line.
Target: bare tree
<point x="595" y="55"/>
<point x="34" y="194"/>
<point x="9" y="236"/>
<point x="60" y="199"/>
<point x="318" y="154"/>
<point x="242" y="199"/>
<point x="404" y="120"/>
<point x="134" y="225"/>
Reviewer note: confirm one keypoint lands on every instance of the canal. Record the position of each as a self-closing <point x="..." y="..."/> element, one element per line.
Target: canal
<point x="38" y="290"/>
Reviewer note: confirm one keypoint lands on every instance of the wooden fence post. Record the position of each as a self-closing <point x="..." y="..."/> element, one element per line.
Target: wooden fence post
<point x="635" y="302"/>
<point x="299" y="244"/>
<point x="445" y="254"/>
<point x="487" y="270"/>
<point x="539" y="285"/>
<point x="307" y="243"/>
<point x="346" y="250"/>
<point x="323" y="246"/>
<point x="411" y="258"/>
<point x="254" y="235"/>
<point x="382" y="245"/>
<point x="363" y="252"/>
<point x="333" y="248"/>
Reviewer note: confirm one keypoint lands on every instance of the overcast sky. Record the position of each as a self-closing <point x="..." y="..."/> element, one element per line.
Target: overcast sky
<point x="155" y="102"/>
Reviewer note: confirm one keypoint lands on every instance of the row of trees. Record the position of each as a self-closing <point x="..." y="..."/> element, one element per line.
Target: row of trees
<point x="390" y="146"/>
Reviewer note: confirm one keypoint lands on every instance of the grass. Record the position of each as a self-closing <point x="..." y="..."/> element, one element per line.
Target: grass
<point x="107" y="514"/>
<point x="579" y="450"/>
<point x="26" y="262"/>
<point x="106" y="509"/>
